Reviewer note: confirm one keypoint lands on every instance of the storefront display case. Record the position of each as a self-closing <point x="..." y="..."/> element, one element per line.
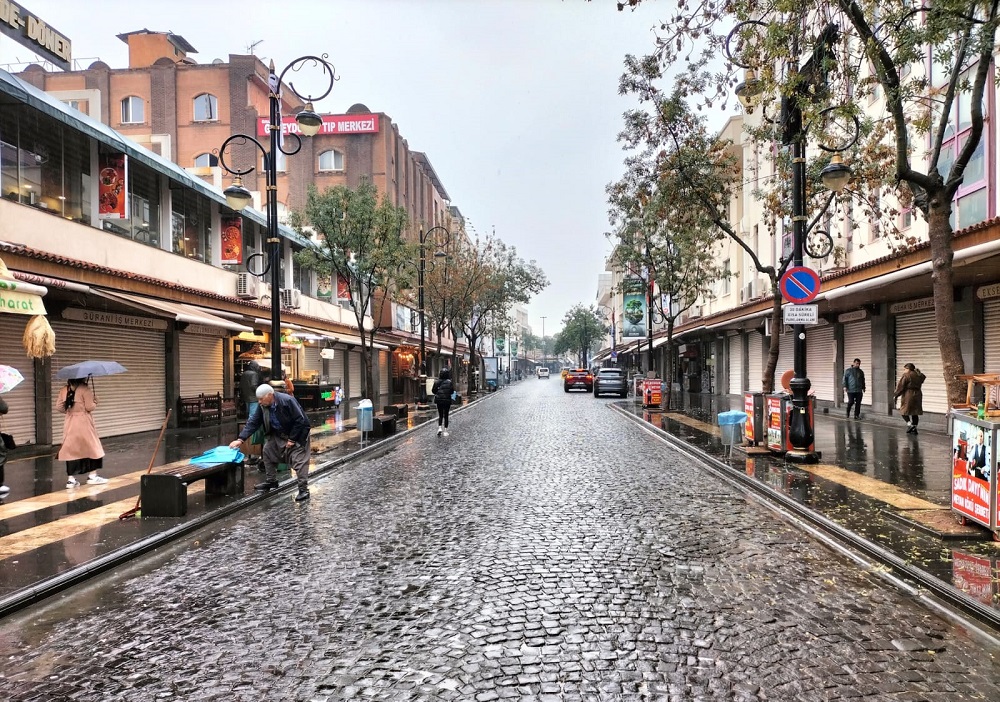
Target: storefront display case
<point x="318" y="396"/>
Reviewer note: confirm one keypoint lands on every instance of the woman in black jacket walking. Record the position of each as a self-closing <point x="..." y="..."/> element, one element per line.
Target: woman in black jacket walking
<point x="442" y="389"/>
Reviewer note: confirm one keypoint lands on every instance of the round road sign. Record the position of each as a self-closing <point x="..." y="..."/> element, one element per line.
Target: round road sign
<point x="800" y="285"/>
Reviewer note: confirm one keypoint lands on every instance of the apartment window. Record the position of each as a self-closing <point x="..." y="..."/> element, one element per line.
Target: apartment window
<point x="726" y="277"/>
<point x="79" y="105"/>
<point x="190" y="225"/>
<point x="206" y="108"/>
<point x="144" y="205"/>
<point x="133" y="110"/>
<point x="331" y="160"/>
<point x="206" y="161"/>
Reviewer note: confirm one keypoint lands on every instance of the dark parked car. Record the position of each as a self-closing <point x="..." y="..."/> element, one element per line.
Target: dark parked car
<point x="578" y="379"/>
<point x="610" y="381"/>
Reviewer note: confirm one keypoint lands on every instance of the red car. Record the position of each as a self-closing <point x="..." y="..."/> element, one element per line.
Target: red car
<point x="578" y="379"/>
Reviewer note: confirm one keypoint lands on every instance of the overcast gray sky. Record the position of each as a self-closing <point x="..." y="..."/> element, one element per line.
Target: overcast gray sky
<point x="514" y="101"/>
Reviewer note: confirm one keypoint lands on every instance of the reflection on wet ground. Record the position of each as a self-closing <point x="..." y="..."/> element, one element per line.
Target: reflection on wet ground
<point x="900" y="500"/>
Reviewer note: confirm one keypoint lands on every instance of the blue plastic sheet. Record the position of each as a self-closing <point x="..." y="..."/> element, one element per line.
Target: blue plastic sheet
<point x="732" y="417"/>
<point x="219" y="454"/>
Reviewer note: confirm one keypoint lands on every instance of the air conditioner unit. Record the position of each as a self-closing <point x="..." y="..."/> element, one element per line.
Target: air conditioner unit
<point x="748" y="291"/>
<point x="247" y="286"/>
<point x="291" y="298"/>
<point x="695" y="311"/>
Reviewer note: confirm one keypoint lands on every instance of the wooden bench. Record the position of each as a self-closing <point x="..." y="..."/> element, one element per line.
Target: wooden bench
<point x="163" y="493"/>
<point x="228" y="407"/>
<point x="201" y="409"/>
<point x="383" y="425"/>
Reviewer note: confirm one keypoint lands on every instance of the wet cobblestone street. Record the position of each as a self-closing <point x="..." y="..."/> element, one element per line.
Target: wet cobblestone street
<point x="547" y="549"/>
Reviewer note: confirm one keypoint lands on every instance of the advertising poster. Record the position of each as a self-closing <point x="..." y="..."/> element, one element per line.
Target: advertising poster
<point x="324" y="289"/>
<point x="112" y="187"/>
<point x="973" y="575"/>
<point x="634" y="308"/>
<point x="343" y="289"/>
<point x="652" y="392"/>
<point x="232" y="240"/>
<point x="774" y="424"/>
<point x="748" y="408"/>
<point x="972" y="456"/>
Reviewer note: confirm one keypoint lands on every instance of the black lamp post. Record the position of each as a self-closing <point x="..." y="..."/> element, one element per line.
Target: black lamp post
<point x="238" y="197"/>
<point x="439" y="253"/>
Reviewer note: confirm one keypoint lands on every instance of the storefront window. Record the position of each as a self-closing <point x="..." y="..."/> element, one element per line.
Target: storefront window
<point x="190" y="225"/>
<point x="303" y="277"/>
<point x="44" y="164"/>
<point x="144" y="204"/>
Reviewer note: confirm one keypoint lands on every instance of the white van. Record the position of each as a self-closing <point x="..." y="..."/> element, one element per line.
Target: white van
<point x="542" y="372"/>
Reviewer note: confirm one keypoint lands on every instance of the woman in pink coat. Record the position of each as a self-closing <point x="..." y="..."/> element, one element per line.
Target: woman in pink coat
<point x="81" y="447"/>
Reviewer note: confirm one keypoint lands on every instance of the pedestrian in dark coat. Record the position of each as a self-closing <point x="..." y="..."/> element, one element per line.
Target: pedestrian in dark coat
<point x="442" y="389"/>
<point x="854" y="386"/>
<point x="250" y="380"/>
<point x="911" y="398"/>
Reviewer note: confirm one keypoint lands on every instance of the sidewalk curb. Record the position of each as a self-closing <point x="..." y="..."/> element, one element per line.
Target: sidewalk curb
<point x="945" y="598"/>
<point x="57" y="583"/>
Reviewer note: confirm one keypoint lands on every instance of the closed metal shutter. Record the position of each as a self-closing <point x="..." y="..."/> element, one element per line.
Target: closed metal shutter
<point x="383" y="372"/>
<point x="735" y="353"/>
<point x="858" y="344"/>
<point x="19" y="421"/>
<point x="201" y="365"/>
<point x="311" y="362"/>
<point x="786" y="357"/>
<point x="916" y="343"/>
<point x="755" y="362"/>
<point x="127" y="403"/>
<point x="821" y="356"/>
<point x="354" y="373"/>
<point x="991" y="336"/>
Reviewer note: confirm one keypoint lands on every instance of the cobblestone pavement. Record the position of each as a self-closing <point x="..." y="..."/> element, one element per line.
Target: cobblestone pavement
<point x="547" y="549"/>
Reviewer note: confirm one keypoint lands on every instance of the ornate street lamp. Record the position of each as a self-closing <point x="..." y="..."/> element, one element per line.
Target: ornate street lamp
<point x="238" y="197"/>
<point x="441" y="243"/>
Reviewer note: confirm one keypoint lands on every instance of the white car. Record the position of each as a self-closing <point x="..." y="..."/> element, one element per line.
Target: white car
<point x="542" y="372"/>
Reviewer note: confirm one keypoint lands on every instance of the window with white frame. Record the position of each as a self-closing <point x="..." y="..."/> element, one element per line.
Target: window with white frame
<point x="206" y="108"/>
<point x="206" y="161"/>
<point x="133" y="110"/>
<point x="331" y="160"/>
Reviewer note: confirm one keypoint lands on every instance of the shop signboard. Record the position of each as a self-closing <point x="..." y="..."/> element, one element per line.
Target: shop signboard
<point x="652" y="392"/>
<point x="748" y="428"/>
<point x="775" y="433"/>
<point x="973" y="475"/>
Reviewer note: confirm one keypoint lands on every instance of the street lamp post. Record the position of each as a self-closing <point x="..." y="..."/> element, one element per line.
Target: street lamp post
<point x="422" y="394"/>
<point x="545" y="346"/>
<point x="238" y="197"/>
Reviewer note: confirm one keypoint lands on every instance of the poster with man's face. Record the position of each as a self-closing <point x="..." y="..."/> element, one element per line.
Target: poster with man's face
<point x="972" y="463"/>
<point x="634" y="309"/>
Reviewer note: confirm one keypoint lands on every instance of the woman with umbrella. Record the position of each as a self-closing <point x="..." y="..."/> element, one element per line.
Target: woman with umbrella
<point x="81" y="447"/>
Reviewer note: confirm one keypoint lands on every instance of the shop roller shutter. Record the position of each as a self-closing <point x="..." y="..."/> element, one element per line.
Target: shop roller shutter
<point x="858" y="344"/>
<point x="991" y="336"/>
<point x="786" y="357"/>
<point x="916" y="343"/>
<point x="311" y="362"/>
<point x="755" y="361"/>
<point x="821" y="356"/>
<point x="127" y="403"/>
<point x="354" y="372"/>
<point x="735" y="354"/>
<point x="201" y="365"/>
<point x="383" y="372"/>
<point x="19" y="421"/>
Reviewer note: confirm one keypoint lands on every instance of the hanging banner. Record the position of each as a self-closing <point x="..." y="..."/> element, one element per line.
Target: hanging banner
<point x="634" y="308"/>
<point x="112" y="186"/>
<point x="501" y="346"/>
<point x="232" y="240"/>
<point x="513" y="347"/>
<point x="343" y="288"/>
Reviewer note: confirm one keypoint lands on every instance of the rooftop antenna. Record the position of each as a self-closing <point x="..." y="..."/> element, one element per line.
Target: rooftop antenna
<point x="253" y="45"/>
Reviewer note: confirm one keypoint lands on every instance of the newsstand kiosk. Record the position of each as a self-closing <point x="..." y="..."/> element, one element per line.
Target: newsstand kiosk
<point x="779" y="411"/>
<point x="974" y="482"/>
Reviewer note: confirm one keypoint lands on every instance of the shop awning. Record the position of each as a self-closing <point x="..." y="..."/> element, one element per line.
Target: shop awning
<point x="179" y="311"/>
<point x="18" y="297"/>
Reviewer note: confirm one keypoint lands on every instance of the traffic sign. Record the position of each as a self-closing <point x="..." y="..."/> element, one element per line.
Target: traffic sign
<point x="800" y="285"/>
<point x="800" y="314"/>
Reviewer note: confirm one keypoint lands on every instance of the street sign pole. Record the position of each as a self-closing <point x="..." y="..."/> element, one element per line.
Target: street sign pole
<point x="800" y="285"/>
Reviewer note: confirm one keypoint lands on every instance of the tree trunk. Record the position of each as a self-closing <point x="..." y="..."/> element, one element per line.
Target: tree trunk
<point x="368" y="384"/>
<point x="767" y="382"/>
<point x="670" y="361"/>
<point x="943" y="282"/>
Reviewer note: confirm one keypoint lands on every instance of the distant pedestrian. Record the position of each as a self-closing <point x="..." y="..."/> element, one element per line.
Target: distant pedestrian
<point x="443" y="389"/>
<point x="287" y="429"/>
<point x="3" y="453"/>
<point x="250" y="380"/>
<point x="911" y="398"/>
<point x="81" y="447"/>
<point x="854" y="386"/>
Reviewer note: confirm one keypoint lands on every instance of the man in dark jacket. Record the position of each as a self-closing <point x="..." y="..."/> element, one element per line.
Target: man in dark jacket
<point x="250" y="380"/>
<point x="854" y="386"/>
<point x="287" y="430"/>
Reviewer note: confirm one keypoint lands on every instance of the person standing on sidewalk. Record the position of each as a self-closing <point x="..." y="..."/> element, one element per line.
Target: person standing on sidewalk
<point x="854" y="386"/>
<point x="442" y="389"/>
<point x="911" y="398"/>
<point x="250" y="379"/>
<point x="81" y="447"/>
<point x="287" y="429"/>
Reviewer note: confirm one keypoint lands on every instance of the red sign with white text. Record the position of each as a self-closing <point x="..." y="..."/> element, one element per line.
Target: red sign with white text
<point x="332" y="124"/>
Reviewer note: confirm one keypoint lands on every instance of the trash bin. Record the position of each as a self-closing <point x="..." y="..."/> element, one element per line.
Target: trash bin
<point x="365" y="415"/>
<point x="731" y="423"/>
